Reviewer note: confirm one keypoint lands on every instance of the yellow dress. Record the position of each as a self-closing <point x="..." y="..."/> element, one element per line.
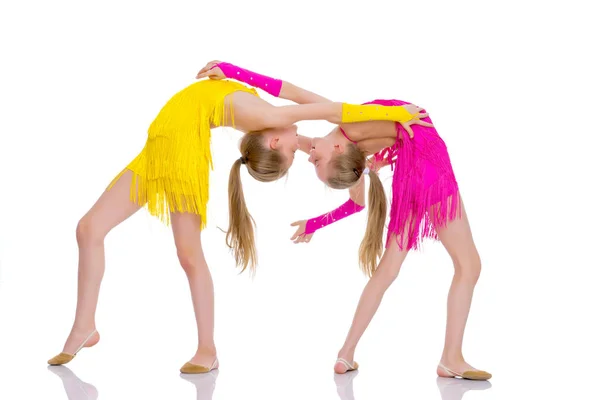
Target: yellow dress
<point x="171" y="172"/>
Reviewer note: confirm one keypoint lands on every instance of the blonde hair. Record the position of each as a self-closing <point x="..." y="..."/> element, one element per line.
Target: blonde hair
<point x="348" y="167"/>
<point x="264" y="165"/>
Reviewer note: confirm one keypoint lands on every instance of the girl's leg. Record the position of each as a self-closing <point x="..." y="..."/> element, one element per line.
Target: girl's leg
<point x="112" y="208"/>
<point x="385" y="274"/>
<point x="186" y="231"/>
<point x="458" y="241"/>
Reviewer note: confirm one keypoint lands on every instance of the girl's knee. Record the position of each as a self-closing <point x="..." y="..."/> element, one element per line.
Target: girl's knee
<point x="190" y="257"/>
<point x="89" y="231"/>
<point x="391" y="274"/>
<point x="392" y="260"/>
<point x="469" y="268"/>
<point x="388" y="272"/>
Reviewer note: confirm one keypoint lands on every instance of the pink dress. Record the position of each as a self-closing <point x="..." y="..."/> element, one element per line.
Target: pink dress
<point x="425" y="193"/>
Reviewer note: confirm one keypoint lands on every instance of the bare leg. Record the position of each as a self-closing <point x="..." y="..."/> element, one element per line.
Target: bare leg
<point x="186" y="231"/>
<point x="386" y="273"/>
<point x="112" y="208"/>
<point x="458" y="241"/>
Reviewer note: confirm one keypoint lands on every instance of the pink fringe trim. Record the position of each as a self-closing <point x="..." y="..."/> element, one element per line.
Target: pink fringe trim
<point x="425" y="193"/>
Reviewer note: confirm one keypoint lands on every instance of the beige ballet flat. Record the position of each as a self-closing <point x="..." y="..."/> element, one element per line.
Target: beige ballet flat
<point x="349" y="367"/>
<point x="64" y="358"/>
<point x="471" y="375"/>
<point x="190" y="368"/>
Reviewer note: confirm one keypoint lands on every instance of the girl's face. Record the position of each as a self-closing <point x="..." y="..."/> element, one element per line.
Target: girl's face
<point x="284" y="140"/>
<point x="322" y="151"/>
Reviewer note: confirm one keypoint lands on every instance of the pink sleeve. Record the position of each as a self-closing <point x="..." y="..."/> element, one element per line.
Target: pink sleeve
<point x="269" y="85"/>
<point x="343" y="211"/>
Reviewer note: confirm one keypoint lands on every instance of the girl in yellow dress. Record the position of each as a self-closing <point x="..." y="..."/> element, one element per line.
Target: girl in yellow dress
<point x="170" y="178"/>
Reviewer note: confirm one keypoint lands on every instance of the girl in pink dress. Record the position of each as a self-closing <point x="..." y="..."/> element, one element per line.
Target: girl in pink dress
<point x="426" y="203"/>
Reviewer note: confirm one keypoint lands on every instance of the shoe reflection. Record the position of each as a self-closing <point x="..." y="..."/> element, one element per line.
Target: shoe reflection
<point x="75" y="388"/>
<point x="455" y="388"/>
<point x="450" y="388"/>
<point x="204" y="383"/>
<point x="345" y="389"/>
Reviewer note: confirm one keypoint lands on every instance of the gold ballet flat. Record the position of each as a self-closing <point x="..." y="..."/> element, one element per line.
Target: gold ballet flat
<point x="64" y="358"/>
<point x="471" y="375"/>
<point x="190" y="368"/>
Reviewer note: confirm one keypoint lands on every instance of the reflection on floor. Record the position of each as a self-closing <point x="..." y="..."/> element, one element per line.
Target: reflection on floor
<point x="76" y="389"/>
<point x="204" y="383"/>
<point x="450" y="388"/>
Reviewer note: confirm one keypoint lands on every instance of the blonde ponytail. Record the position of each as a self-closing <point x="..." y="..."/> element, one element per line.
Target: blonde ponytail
<point x="348" y="168"/>
<point x="240" y="235"/>
<point x="264" y="165"/>
<point x="371" y="247"/>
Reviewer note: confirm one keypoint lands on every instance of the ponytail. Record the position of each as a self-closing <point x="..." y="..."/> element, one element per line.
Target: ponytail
<point x="240" y="235"/>
<point x="348" y="168"/>
<point x="264" y="165"/>
<point x="371" y="247"/>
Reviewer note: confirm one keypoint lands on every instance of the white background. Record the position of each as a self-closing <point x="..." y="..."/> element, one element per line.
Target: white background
<point x="512" y="87"/>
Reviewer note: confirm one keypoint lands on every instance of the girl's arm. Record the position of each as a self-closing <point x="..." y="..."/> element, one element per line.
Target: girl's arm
<point x="338" y="113"/>
<point x="298" y="95"/>
<point x="354" y="204"/>
<point x="275" y="87"/>
<point x="256" y="114"/>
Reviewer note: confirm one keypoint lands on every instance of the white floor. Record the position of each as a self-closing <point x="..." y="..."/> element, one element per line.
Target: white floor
<point x="276" y="344"/>
<point x="123" y="374"/>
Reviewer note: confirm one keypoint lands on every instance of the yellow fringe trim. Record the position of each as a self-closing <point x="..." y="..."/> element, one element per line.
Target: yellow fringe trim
<point x="171" y="174"/>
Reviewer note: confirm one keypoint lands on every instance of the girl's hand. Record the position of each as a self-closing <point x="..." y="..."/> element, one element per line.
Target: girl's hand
<point x="416" y="111"/>
<point x="210" y="72"/>
<point x="300" y="236"/>
<point x="375" y="165"/>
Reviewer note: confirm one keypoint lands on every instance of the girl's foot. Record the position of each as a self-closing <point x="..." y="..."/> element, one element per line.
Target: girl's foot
<point x="204" y="356"/>
<point x="454" y="369"/>
<point x="77" y="340"/>
<point x="79" y="336"/>
<point x="204" y="361"/>
<point x="345" y="362"/>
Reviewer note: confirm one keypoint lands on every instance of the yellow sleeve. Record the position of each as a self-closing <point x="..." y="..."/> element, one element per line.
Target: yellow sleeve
<point x="373" y="112"/>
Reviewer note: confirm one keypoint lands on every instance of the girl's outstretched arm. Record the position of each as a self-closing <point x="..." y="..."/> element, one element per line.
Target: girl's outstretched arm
<point x="275" y="87"/>
<point x="257" y="114"/>
<point x="354" y="204"/>
<point x="298" y="95"/>
<point x="338" y="113"/>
